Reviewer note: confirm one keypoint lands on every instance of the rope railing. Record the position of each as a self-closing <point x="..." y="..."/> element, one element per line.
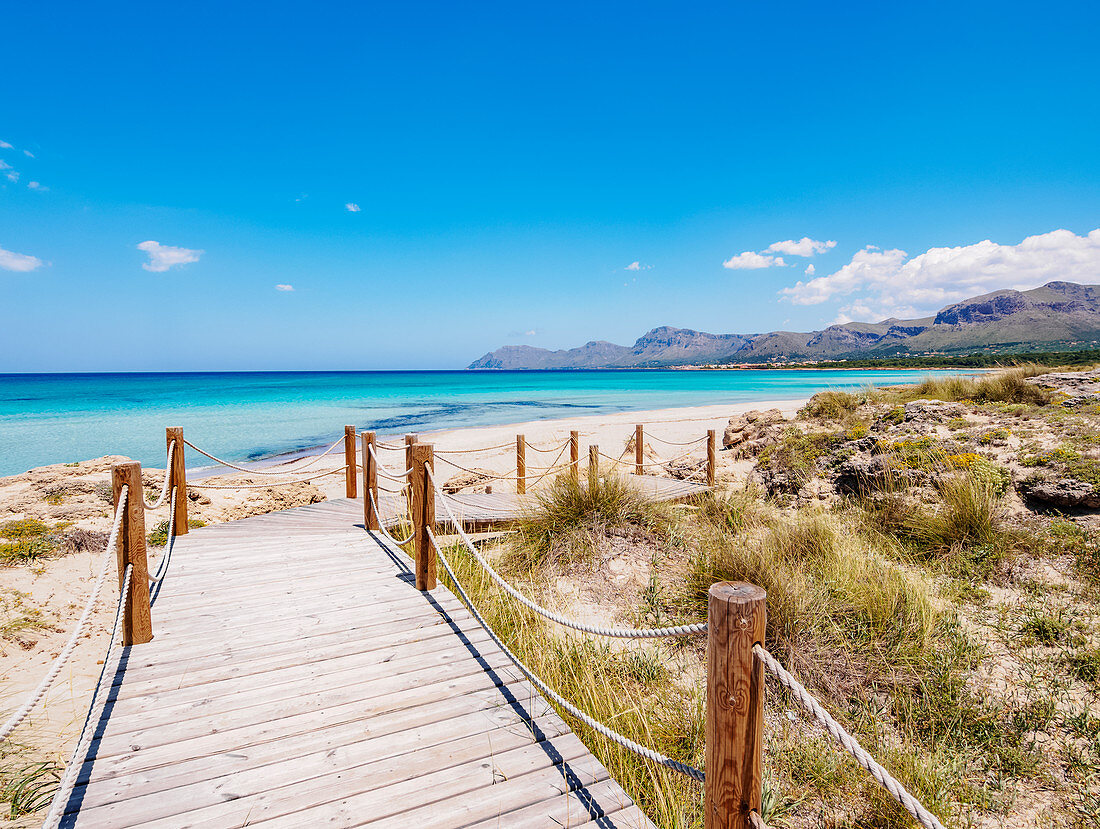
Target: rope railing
<point x="554" y="448"/>
<point x="72" y="770"/>
<point x="162" y="569"/>
<point x="268" y="484"/>
<point x="847" y="741"/>
<point x="673" y="442"/>
<point x="565" y="621"/>
<point x="661" y="462"/>
<point x="383" y="471"/>
<point x="595" y="725"/>
<point x="167" y="479"/>
<point x="300" y="469"/>
<point x="382" y="524"/>
<point x="471" y="451"/>
<point x="59" y="662"/>
<point x="502" y="476"/>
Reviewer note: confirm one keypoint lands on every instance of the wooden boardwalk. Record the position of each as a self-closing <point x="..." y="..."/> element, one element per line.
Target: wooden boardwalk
<point x="298" y="679"/>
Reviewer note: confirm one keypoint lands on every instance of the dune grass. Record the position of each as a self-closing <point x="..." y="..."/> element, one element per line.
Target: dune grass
<point x="1007" y="386"/>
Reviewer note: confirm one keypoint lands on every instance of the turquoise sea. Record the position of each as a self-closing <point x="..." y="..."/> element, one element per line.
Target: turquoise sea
<point x="55" y="418"/>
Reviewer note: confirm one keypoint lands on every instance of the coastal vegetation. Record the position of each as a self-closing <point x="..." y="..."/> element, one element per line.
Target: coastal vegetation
<point x="940" y="604"/>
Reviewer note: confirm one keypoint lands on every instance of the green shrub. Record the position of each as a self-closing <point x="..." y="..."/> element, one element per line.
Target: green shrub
<point x="30" y="548"/>
<point x="830" y="405"/>
<point x="1002" y="387"/>
<point x="574" y="506"/>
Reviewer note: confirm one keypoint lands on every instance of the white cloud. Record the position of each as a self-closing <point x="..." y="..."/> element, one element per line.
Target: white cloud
<point x="34" y="185"/>
<point x="352" y="207"/>
<point x="28" y="153"/>
<point x="4" y="165"/>
<point x="284" y="288"/>
<point x="530" y="333"/>
<point x="810" y="270"/>
<point x="163" y="257"/>
<point x="752" y="261"/>
<point x="12" y="176"/>
<point x="4" y="145"/>
<point x="891" y="284"/>
<point x="803" y="247"/>
<point x="633" y="266"/>
<point x="22" y="262"/>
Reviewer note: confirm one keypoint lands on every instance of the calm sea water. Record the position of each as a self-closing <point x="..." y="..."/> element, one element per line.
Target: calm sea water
<point x="54" y="418"/>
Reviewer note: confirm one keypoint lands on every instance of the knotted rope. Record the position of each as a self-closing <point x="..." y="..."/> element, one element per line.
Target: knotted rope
<point x="847" y="741"/>
<point x="59" y="662"/>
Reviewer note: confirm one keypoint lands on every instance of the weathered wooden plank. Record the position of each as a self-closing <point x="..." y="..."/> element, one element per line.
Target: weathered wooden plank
<point x="298" y="678"/>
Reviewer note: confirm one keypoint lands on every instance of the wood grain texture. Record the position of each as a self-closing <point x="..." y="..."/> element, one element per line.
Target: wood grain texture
<point x="137" y="623"/>
<point x="301" y="679"/>
<point x="639" y="447"/>
<point x="422" y="507"/>
<point x="574" y="453"/>
<point x="712" y="456"/>
<point x="349" y="461"/>
<point x="736" y="618"/>
<point x="370" y="480"/>
<point x="521" y="464"/>
<point x="177" y="472"/>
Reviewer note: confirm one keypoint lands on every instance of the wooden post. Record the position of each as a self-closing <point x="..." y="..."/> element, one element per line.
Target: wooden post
<point x="422" y="507"/>
<point x="370" y="480"/>
<point x="137" y="625"/>
<point x="574" y="454"/>
<point x="736" y="617"/>
<point x="639" y="459"/>
<point x="593" y="467"/>
<point x="521" y="464"/>
<point x="349" y="461"/>
<point x="712" y="456"/>
<point x="409" y="441"/>
<point x="178" y="473"/>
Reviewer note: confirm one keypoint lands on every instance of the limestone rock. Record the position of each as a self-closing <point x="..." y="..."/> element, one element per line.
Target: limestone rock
<point x="746" y="429"/>
<point x="1061" y="492"/>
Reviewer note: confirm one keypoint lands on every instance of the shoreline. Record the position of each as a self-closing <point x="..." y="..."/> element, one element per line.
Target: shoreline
<point x="677" y="423"/>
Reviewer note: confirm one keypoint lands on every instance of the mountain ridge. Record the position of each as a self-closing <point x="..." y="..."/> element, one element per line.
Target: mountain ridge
<point x="1057" y="316"/>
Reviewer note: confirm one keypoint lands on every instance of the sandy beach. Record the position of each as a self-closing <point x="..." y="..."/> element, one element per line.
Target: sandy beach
<point x="42" y="600"/>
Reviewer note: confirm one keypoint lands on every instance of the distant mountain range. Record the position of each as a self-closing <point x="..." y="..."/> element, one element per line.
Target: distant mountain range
<point x="1060" y="316"/>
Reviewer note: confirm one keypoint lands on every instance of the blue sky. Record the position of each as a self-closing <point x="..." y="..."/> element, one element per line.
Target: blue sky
<point x="510" y="162"/>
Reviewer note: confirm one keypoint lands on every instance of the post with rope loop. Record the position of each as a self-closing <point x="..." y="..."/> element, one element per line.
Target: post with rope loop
<point x="422" y="510"/>
<point x="137" y="624"/>
<point x="370" y="480"/>
<point x="639" y="458"/>
<point x="521" y="464"/>
<point x="712" y="456"/>
<point x="736" y="617"/>
<point x="349" y="461"/>
<point x="593" y="468"/>
<point x="574" y="454"/>
<point x="177" y="471"/>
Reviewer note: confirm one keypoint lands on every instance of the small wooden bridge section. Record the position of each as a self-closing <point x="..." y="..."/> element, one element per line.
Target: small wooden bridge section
<point x="298" y="678"/>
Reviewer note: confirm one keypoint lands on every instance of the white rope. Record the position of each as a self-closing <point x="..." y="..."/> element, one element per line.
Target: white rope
<point x="661" y="463"/>
<point x="72" y="771"/>
<point x="268" y="484"/>
<point x="169" y="544"/>
<point x="595" y="725"/>
<point x="492" y="477"/>
<point x="382" y="524"/>
<point x="670" y="442"/>
<point x="471" y="451"/>
<point x="614" y="633"/>
<point x="63" y="657"/>
<point x="553" y="448"/>
<point x="849" y="743"/>
<point x="300" y="469"/>
<point x="167" y="477"/>
<point x="381" y="470"/>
